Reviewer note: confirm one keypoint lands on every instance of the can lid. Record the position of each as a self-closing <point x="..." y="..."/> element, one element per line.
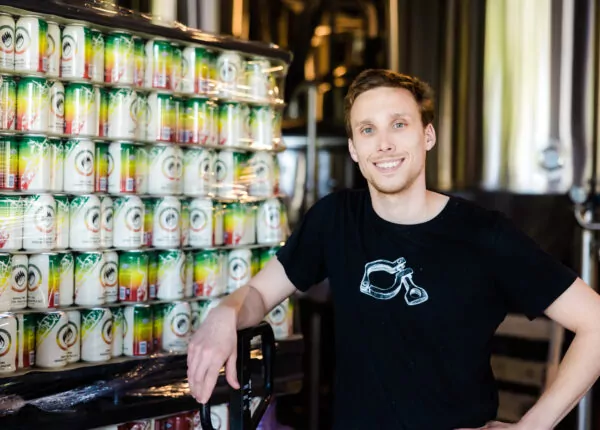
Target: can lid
<point x="31" y="15"/>
<point x="5" y="14"/>
<point x="120" y="32"/>
<point x="52" y="22"/>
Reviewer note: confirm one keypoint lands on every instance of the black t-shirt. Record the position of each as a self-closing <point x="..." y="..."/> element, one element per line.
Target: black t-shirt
<point x="416" y="306"/>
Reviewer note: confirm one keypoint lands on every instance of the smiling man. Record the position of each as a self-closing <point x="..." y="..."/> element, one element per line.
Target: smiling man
<point x="420" y="283"/>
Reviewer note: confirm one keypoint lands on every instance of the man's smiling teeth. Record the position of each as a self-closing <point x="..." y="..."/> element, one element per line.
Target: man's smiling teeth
<point x="388" y="164"/>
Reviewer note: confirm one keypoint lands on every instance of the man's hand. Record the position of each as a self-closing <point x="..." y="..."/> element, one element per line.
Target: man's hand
<point x="498" y="425"/>
<point x="214" y="344"/>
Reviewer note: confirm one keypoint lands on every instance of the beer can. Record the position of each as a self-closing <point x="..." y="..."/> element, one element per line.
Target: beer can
<point x="158" y="64"/>
<point x="207" y="274"/>
<point x="138" y="330"/>
<point x="264" y="175"/>
<point x="176" y="331"/>
<point x="11" y="223"/>
<point x="171" y="274"/>
<point x="256" y="79"/>
<point x="7" y="42"/>
<point x="239" y="269"/>
<point x="57" y="164"/>
<point x="161" y="109"/>
<point x="101" y="103"/>
<point x="196" y="310"/>
<point x="119" y="58"/>
<point x="166" y="164"/>
<point x="260" y="127"/>
<point x="152" y="273"/>
<point x="270" y="222"/>
<point x="230" y="73"/>
<point x="43" y="283"/>
<point x="39" y="223"/>
<point x="76" y="52"/>
<point x="239" y="219"/>
<point x="198" y="175"/>
<point x="133" y="276"/>
<point x="176" y="67"/>
<point x="267" y="254"/>
<point x="31" y="38"/>
<point x="185" y="223"/>
<point x="88" y="279"/>
<point x="148" y="220"/>
<point x="51" y="347"/>
<point x="26" y="328"/>
<point x="107" y="225"/>
<point x="189" y="83"/>
<point x="101" y="167"/>
<point x="109" y="276"/>
<point x="63" y="224"/>
<point x="6" y="293"/>
<point x="85" y="222"/>
<point x="157" y="326"/>
<point x="232" y="174"/>
<point x="139" y="54"/>
<point x="19" y="269"/>
<point x="118" y="327"/>
<point x="206" y="72"/>
<point x="96" y="334"/>
<point x="73" y="336"/>
<point x="122" y="113"/>
<point x="129" y="222"/>
<point x="53" y="50"/>
<point x="122" y="167"/>
<point x="140" y="114"/>
<point x="79" y="166"/>
<point x="141" y="170"/>
<point x="201" y="223"/>
<point x="199" y="121"/>
<point x="188" y="289"/>
<point x="79" y="110"/>
<point x="97" y="63"/>
<point x="32" y="104"/>
<point x="8" y="101"/>
<point x="9" y="163"/>
<point x="35" y="163"/>
<point x="231" y="124"/>
<point x="166" y="231"/>
<point x="218" y="224"/>
<point x="66" y="280"/>
<point x="177" y="134"/>
<point x="8" y="343"/>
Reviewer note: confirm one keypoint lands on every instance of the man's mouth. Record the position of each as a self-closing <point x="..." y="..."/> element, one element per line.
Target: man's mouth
<point x="389" y="165"/>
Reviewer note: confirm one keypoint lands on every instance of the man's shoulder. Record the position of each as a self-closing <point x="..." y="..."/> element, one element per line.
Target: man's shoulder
<point x="469" y="215"/>
<point x="342" y="199"/>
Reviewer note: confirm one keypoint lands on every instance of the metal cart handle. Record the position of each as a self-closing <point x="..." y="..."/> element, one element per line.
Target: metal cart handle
<point x="239" y="403"/>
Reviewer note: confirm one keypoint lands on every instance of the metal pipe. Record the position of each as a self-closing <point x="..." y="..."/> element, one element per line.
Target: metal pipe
<point x="393" y="38"/>
<point x="311" y="150"/>
<point x="209" y="15"/>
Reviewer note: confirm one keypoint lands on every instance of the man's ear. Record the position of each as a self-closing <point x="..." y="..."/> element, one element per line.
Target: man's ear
<point x="352" y="150"/>
<point x="430" y="137"/>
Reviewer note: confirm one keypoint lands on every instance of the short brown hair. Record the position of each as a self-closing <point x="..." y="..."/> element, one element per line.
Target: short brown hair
<point x="377" y="78"/>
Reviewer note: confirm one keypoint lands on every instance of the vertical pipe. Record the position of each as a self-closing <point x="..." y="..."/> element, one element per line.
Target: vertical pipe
<point x="311" y="150"/>
<point x="209" y="15"/>
<point x="393" y="39"/>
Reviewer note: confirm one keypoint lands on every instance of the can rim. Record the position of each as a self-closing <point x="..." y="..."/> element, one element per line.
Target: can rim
<point x="31" y="15"/>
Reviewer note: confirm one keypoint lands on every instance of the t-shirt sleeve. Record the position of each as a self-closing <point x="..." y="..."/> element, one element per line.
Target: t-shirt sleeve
<point x="303" y="254"/>
<point x="529" y="278"/>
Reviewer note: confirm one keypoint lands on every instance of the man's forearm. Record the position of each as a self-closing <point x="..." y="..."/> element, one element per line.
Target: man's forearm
<point x="248" y="306"/>
<point x="577" y="373"/>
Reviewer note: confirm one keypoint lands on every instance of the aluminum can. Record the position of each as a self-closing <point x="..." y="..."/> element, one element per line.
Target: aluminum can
<point x="141" y="170"/>
<point x="239" y="269"/>
<point x="166" y="164"/>
<point x="171" y="274"/>
<point x="149" y="204"/>
<point x="97" y="64"/>
<point x="207" y="274"/>
<point x="231" y="124"/>
<point x="88" y="279"/>
<point x="26" y="328"/>
<point x="160" y="117"/>
<point x="230" y="73"/>
<point x="206" y="72"/>
<point x="118" y="327"/>
<point x="256" y="79"/>
<point x="51" y="348"/>
<point x="85" y="222"/>
<point x="101" y="167"/>
<point x="73" y="336"/>
<point x="79" y="166"/>
<point x="239" y="224"/>
<point x="19" y="268"/>
<point x="57" y="164"/>
<point x="53" y="50"/>
<point x="266" y="255"/>
<point x="166" y="231"/>
<point x="6" y="293"/>
<point x="79" y="110"/>
<point x="232" y="174"/>
<point x="63" y="224"/>
<point x="196" y="311"/>
<point x="56" y="115"/>
<point x="110" y="276"/>
<point x="66" y="281"/>
<point x="39" y="223"/>
<point x="133" y="276"/>
<point x="122" y="167"/>
<point x="185" y="223"/>
<point x="76" y="52"/>
<point x="158" y="64"/>
<point x="176" y="67"/>
<point x="271" y="223"/>
<point x="264" y="175"/>
<point x="107" y="224"/>
<point x="280" y="319"/>
<point x="43" y="281"/>
<point x="31" y="39"/>
<point x="8" y="102"/>
<point x="152" y="273"/>
<point x="119" y="58"/>
<point x="198" y="175"/>
<point x="140" y="115"/>
<point x="7" y="42"/>
<point x="96" y="334"/>
<point x="260" y="127"/>
<point x="157" y="326"/>
<point x="177" y="135"/>
<point x="200" y="121"/>
<point x="11" y="223"/>
<point x="8" y="343"/>
<point x="201" y="223"/>
<point x="139" y="57"/>
<point x="32" y="104"/>
<point x="129" y="222"/>
<point x="9" y="163"/>
<point x="35" y="163"/>
<point x="189" y="84"/>
<point x="218" y="224"/>
<point x="138" y="330"/>
<point x="122" y="113"/>
<point x="188" y="290"/>
<point x="177" y="318"/>
<point x="101" y="103"/>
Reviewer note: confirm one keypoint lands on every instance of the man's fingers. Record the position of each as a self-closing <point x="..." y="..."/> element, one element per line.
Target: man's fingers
<point x="231" y="372"/>
<point x="209" y="382"/>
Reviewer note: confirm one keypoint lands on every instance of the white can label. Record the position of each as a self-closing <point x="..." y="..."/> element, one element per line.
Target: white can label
<point x="118" y="332"/>
<point x="53" y="50"/>
<point x="51" y="347"/>
<point x="109" y="276"/>
<point x="122" y="109"/>
<point x="19" y="281"/>
<point x="167" y="164"/>
<point x="201" y="223"/>
<point x="7" y="42"/>
<point x="239" y="269"/>
<point x="39" y="230"/>
<point x="106" y="228"/>
<point x="85" y="222"/>
<point x="8" y="343"/>
<point x="96" y="334"/>
<point x="198" y="175"/>
<point x="129" y="222"/>
<point x="63" y="210"/>
<point x="270" y="222"/>
<point x="67" y="279"/>
<point x="177" y="324"/>
<point x="73" y="337"/>
<point x="171" y="275"/>
<point x="262" y="167"/>
<point x="88" y="285"/>
<point x="79" y="171"/>
<point x="166" y="232"/>
<point x="11" y="223"/>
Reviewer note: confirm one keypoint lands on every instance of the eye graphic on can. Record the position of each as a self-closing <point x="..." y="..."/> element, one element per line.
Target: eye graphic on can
<point x="108" y="274"/>
<point x="70" y="334"/>
<point x="44" y="219"/>
<point x="7" y="39"/>
<point x="205" y="167"/>
<point x="107" y="331"/>
<point x="84" y="163"/>
<point x="228" y="72"/>
<point x="69" y="47"/>
<point x="111" y="163"/>
<point x="277" y="316"/>
<point x="23" y="40"/>
<point x="57" y="104"/>
<point x="273" y="217"/>
<point x="220" y="170"/>
<point x="107" y="221"/>
<point x="20" y="278"/>
<point x="134" y="219"/>
<point x="51" y="46"/>
<point x="198" y="220"/>
<point x="172" y="167"/>
<point x="5" y="342"/>
<point x="238" y="269"/>
<point x="34" y="277"/>
<point x="262" y="171"/>
<point x="92" y="219"/>
<point x="180" y="325"/>
<point x="169" y="219"/>
<point x="63" y="337"/>
<point x="195" y="322"/>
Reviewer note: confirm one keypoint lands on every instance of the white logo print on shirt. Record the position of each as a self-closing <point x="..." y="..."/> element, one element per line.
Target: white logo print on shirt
<point x="414" y="295"/>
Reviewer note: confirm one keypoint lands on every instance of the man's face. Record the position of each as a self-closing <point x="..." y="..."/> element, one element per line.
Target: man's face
<point x="388" y="140"/>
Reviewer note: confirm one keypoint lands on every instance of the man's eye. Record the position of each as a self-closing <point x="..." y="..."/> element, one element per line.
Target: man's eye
<point x="399" y="125"/>
<point x="367" y="130"/>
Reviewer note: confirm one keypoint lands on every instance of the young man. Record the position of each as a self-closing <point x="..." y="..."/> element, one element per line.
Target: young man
<point x="420" y="282"/>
